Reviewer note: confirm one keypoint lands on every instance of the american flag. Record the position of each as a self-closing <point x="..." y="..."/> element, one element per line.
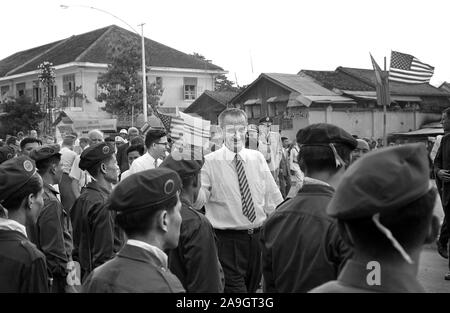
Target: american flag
<point x="174" y="125"/>
<point x="382" y="86"/>
<point x="406" y="68"/>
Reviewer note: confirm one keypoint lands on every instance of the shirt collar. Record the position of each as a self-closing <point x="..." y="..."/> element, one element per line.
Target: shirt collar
<point x="150" y="248"/>
<point x="313" y="181"/>
<point x="96" y="186"/>
<point x="7" y="224"/>
<point x="229" y="155"/>
<point x="50" y="187"/>
<point x="391" y="279"/>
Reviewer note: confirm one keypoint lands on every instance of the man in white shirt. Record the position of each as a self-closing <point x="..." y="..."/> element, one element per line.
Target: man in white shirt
<point x="81" y="178"/>
<point x="240" y="193"/>
<point x="156" y="143"/>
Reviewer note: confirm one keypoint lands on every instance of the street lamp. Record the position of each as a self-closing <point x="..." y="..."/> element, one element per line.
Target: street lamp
<point x="144" y="78"/>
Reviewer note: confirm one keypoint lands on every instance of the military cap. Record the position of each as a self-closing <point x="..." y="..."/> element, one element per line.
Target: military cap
<point x="184" y="168"/>
<point x="95" y="154"/>
<point x="266" y="120"/>
<point x="44" y="152"/>
<point x="143" y="190"/>
<point x="324" y="134"/>
<point x="14" y="174"/>
<point x="6" y="153"/>
<point x="381" y="182"/>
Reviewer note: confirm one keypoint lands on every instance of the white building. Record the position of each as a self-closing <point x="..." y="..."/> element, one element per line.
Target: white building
<point x="78" y="61"/>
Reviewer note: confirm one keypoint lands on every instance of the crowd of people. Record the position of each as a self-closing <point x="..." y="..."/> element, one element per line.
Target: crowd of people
<point x="127" y="214"/>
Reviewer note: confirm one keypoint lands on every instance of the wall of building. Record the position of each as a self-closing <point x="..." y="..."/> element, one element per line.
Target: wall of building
<point x="173" y="85"/>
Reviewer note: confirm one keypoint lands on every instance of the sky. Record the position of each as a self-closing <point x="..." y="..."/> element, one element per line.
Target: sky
<point x="249" y="37"/>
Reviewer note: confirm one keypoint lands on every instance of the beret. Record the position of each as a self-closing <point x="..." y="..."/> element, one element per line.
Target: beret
<point x="44" y="152"/>
<point x="324" y="134"/>
<point x="266" y="120"/>
<point x="6" y="153"/>
<point x="145" y="189"/>
<point x="382" y="181"/>
<point x="14" y="174"/>
<point x="95" y="154"/>
<point x="184" y="168"/>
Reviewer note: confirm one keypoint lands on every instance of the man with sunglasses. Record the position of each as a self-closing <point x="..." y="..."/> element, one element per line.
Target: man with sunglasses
<point x="156" y="143"/>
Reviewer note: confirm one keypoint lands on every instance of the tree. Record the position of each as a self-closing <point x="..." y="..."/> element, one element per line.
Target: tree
<point x="22" y="115"/>
<point x="121" y="85"/>
<point x="69" y="97"/>
<point x="221" y="81"/>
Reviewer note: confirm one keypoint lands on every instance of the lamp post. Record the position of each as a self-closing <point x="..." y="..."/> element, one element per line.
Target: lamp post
<point x="144" y="79"/>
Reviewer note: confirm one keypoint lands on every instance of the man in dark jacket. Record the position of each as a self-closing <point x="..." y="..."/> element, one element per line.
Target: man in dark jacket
<point x="384" y="207"/>
<point x="152" y="225"/>
<point x="195" y="261"/>
<point x="301" y="246"/>
<point x="95" y="236"/>
<point x="52" y="232"/>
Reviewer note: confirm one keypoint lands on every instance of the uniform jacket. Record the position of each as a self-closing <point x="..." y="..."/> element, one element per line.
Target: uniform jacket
<point x="52" y="234"/>
<point x="442" y="162"/>
<point x="134" y="269"/>
<point x="301" y="247"/>
<point x="95" y="237"/>
<point x="23" y="268"/>
<point x="353" y="278"/>
<point x="195" y="261"/>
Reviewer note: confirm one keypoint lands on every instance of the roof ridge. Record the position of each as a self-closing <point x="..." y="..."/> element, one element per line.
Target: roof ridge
<point x="39" y="55"/>
<point x="82" y="54"/>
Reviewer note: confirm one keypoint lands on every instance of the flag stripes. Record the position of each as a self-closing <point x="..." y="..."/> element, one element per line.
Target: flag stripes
<point x="408" y="69"/>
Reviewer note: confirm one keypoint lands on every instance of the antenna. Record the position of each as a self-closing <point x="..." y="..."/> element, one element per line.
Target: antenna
<point x="235" y="78"/>
<point x="251" y="61"/>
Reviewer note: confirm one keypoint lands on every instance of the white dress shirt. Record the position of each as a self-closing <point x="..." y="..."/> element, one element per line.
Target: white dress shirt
<point x="152" y="249"/>
<point x="221" y="194"/>
<point x="83" y="177"/>
<point x="67" y="158"/>
<point x="145" y="162"/>
<point x="435" y="149"/>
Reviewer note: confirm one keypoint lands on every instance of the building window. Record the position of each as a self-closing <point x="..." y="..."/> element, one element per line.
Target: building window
<point x="20" y="89"/>
<point x="68" y="83"/>
<point x="37" y="92"/>
<point x="4" y="91"/>
<point x="256" y="111"/>
<point x="190" y="88"/>
<point x="159" y="82"/>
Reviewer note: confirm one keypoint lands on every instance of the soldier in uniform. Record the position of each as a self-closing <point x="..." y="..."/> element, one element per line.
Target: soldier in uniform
<point x="152" y="225"/>
<point x="384" y="206"/>
<point x="6" y="153"/>
<point x="94" y="236"/>
<point x="301" y="246"/>
<point x="52" y="232"/>
<point x="195" y="261"/>
<point x="23" y="267"/>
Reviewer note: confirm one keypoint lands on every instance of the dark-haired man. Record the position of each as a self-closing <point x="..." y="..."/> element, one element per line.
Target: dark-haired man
<point x="29" y="143"/>
<point x="133" y="153"/>
<point x="152" y="225"/>
<point x="122" y="161"/>
<point x="301" y="246"/>
<point x="156" y="143"/>
<point x="94" y="236"/>
<point x="195" y="261"/>
<point x="384" y="206"/>
<point x="52" y="231"/>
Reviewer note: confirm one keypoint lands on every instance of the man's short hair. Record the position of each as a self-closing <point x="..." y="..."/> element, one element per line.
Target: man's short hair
<point x="11" y="140"/>
<point x="137" y="141"/>
<point x="95" y="131"/>
<point x="28" y="140"/>
<point x="110" y="139"/>
<point x="44" y="165"/>
<point x="95" y="169"/>
<point x="132" y="130"/>
<point x="321" y="158"/>
<point x="284" y="138"/>
<point x="152" y="136"/>
<point x="235" y="112"/>
<point x="138" y="148"/>
<point x="85" y="140"/>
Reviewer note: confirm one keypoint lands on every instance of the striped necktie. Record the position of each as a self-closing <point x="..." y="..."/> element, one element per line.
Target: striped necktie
<point x="248" y="208"/>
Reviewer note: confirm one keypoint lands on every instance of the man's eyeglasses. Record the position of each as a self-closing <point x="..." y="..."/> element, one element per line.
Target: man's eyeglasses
<point x="162" y="143"/>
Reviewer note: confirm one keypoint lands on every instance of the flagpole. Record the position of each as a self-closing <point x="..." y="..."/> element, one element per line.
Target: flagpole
<point x="384" y="114"/>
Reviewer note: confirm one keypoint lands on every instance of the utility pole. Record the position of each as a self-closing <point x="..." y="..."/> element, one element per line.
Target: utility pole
<point x="144" y="78"/>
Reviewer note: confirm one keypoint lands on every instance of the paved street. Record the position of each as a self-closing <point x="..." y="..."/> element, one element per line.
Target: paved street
<point x="432" y="270"/>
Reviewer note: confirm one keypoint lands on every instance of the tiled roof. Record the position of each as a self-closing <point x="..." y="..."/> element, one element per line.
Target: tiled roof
<point x="97" y="47"/>
<point x="336" y="79"/>
<point x="368" y="77"/>
<point x="223" y="97"/>
<point x="303" y="85"/>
